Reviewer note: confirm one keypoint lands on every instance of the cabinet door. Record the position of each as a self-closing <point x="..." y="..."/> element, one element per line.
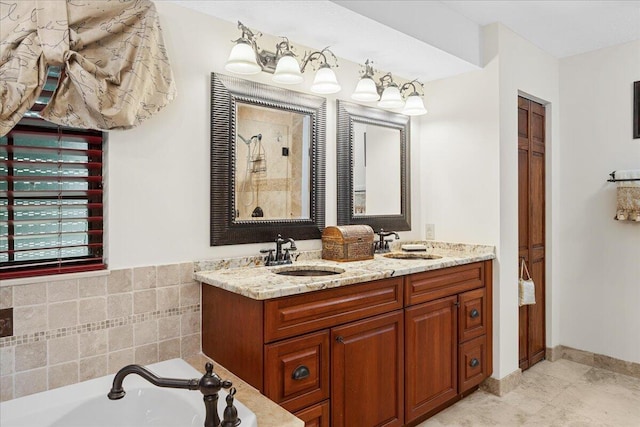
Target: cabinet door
<point x="296" y="372"/>
<point x="316" y="415"/>
<point x="367" y="372"/>
<point x="472" y="317"/>
<point x="431" y="356"/>
<point x="473" y="363"/>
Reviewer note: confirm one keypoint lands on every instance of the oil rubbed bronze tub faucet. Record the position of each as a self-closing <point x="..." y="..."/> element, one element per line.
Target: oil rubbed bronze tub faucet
<point x="382" y="245"/>
<point x="209" y="385"/>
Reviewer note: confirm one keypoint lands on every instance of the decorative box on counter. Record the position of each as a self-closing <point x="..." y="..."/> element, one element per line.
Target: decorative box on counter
<point x="347" y="243"/>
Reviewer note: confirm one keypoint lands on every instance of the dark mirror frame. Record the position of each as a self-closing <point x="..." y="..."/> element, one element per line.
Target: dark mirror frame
<point x="636" y="110"/>
<point x="226" y="91"/>
<point x="347" y="114"/>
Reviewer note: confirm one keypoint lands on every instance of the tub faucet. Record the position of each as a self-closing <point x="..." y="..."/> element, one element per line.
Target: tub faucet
<point x="281" y="257"/>
<point x="209" y="385"/>
<point x="382" y="245"/>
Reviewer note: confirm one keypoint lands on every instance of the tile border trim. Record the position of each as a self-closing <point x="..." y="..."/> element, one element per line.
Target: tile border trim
<point x="96" y="326"/>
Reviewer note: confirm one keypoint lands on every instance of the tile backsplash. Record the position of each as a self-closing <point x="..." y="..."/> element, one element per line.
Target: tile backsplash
<point x="72" y="330"/>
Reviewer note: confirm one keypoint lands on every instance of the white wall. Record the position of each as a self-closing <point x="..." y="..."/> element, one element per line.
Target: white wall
<point x="158" y="174"/>
<point x="470" y="168"/>
<point x="526" y="70"/>
<point x="459" y="164"/>
<point x="600" y="269"/>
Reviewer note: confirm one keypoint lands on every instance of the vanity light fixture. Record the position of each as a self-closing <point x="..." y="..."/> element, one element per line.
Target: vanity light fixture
<point x="247" y="58"/>
<point x="389" y="94"/>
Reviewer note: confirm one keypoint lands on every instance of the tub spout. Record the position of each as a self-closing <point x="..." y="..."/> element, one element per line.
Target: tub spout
<point x="209" y="385"/>
<point x="117" y="392"/>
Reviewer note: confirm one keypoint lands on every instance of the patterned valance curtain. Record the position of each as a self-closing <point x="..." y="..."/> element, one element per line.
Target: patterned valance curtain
<point x="115" y="70"/>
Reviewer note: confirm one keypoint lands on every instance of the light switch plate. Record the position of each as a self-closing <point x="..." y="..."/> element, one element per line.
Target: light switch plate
<point x="430" y="231"/>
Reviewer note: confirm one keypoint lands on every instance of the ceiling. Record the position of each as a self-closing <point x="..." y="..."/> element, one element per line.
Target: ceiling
<point x="561" y="28"/>
<point x="431" y="39"/>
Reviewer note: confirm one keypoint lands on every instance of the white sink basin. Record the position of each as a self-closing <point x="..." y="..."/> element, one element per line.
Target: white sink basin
<point x="308" y="270"/>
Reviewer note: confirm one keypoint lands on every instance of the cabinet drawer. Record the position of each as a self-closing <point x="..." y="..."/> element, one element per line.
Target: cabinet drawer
<point x="472" y="316"/>
<point x="472" y="359"/>
<point x="316" y="415"/>
<point x="297" y="371"/>
<point x="290" y="316"/>
<point x="430" y="285"/>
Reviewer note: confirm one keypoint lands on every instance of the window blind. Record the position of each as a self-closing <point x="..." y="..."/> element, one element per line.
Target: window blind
<point x="51" y="212"/>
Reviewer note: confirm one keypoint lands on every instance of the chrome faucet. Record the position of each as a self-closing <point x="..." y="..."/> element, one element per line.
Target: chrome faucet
<point x="209" y="385"/>
<point x="281" y="256"/>
<point x="382" y="245"/>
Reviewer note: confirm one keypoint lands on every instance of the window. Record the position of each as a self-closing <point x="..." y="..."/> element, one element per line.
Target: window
<point x="50" y="200"/>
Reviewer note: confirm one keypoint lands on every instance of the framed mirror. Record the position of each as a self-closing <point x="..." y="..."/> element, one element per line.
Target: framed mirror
<point x="267" y="162"/>
<point x="373" y="167"/>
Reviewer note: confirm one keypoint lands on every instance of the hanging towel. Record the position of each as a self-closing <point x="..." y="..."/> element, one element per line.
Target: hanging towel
<point x="628" y="195"/>
<point x="526" y="287"/>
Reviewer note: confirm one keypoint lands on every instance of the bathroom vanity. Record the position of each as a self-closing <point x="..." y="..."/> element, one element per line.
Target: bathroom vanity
<point x="386" y="342"/>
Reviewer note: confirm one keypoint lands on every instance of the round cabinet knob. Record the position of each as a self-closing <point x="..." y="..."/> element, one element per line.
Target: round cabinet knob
<point x="340" y="339"/>
<point x="474" y="362"/>
<point x="300" y="373"/>
<point x="474" y="313"/>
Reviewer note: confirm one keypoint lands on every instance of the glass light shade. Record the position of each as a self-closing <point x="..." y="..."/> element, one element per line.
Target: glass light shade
<point x="242" y="60"/>
<point x="287" y="71"/>
<point x="325" y="81"/>
<point x="391" y="98"/>
<point x="366" y="90"/>
<point x="414" y="106"/>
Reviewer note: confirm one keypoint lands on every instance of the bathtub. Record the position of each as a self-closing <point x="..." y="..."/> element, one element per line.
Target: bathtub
<point x="86" y="404"/>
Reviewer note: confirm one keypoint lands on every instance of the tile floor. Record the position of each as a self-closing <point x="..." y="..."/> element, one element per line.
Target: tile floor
<point x="561" y="393"/>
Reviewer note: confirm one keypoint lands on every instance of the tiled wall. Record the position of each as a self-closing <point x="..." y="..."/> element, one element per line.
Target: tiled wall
<point x="74" y="330"/>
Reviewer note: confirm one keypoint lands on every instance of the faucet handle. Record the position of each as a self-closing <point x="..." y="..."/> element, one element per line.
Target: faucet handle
<point x="269" y="258"/>
<point x="230" y="414"/>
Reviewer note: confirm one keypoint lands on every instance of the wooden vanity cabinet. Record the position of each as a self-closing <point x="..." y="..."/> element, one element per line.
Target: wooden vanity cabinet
<point x="383" y="353"/>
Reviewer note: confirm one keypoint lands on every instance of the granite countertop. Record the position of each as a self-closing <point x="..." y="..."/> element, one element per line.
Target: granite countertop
<point x="268" y="413"/>
<point x="249" y="277"/>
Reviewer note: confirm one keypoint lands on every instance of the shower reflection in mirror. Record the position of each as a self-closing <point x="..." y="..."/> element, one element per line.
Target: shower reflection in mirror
<point x="272" y="164"/>
<point x="376" y="170"/>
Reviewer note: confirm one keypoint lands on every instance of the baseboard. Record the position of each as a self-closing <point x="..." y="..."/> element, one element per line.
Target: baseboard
<point x="553" y="353"/>
<point x="502" y="386"/>
<point x="594" y="359"/>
